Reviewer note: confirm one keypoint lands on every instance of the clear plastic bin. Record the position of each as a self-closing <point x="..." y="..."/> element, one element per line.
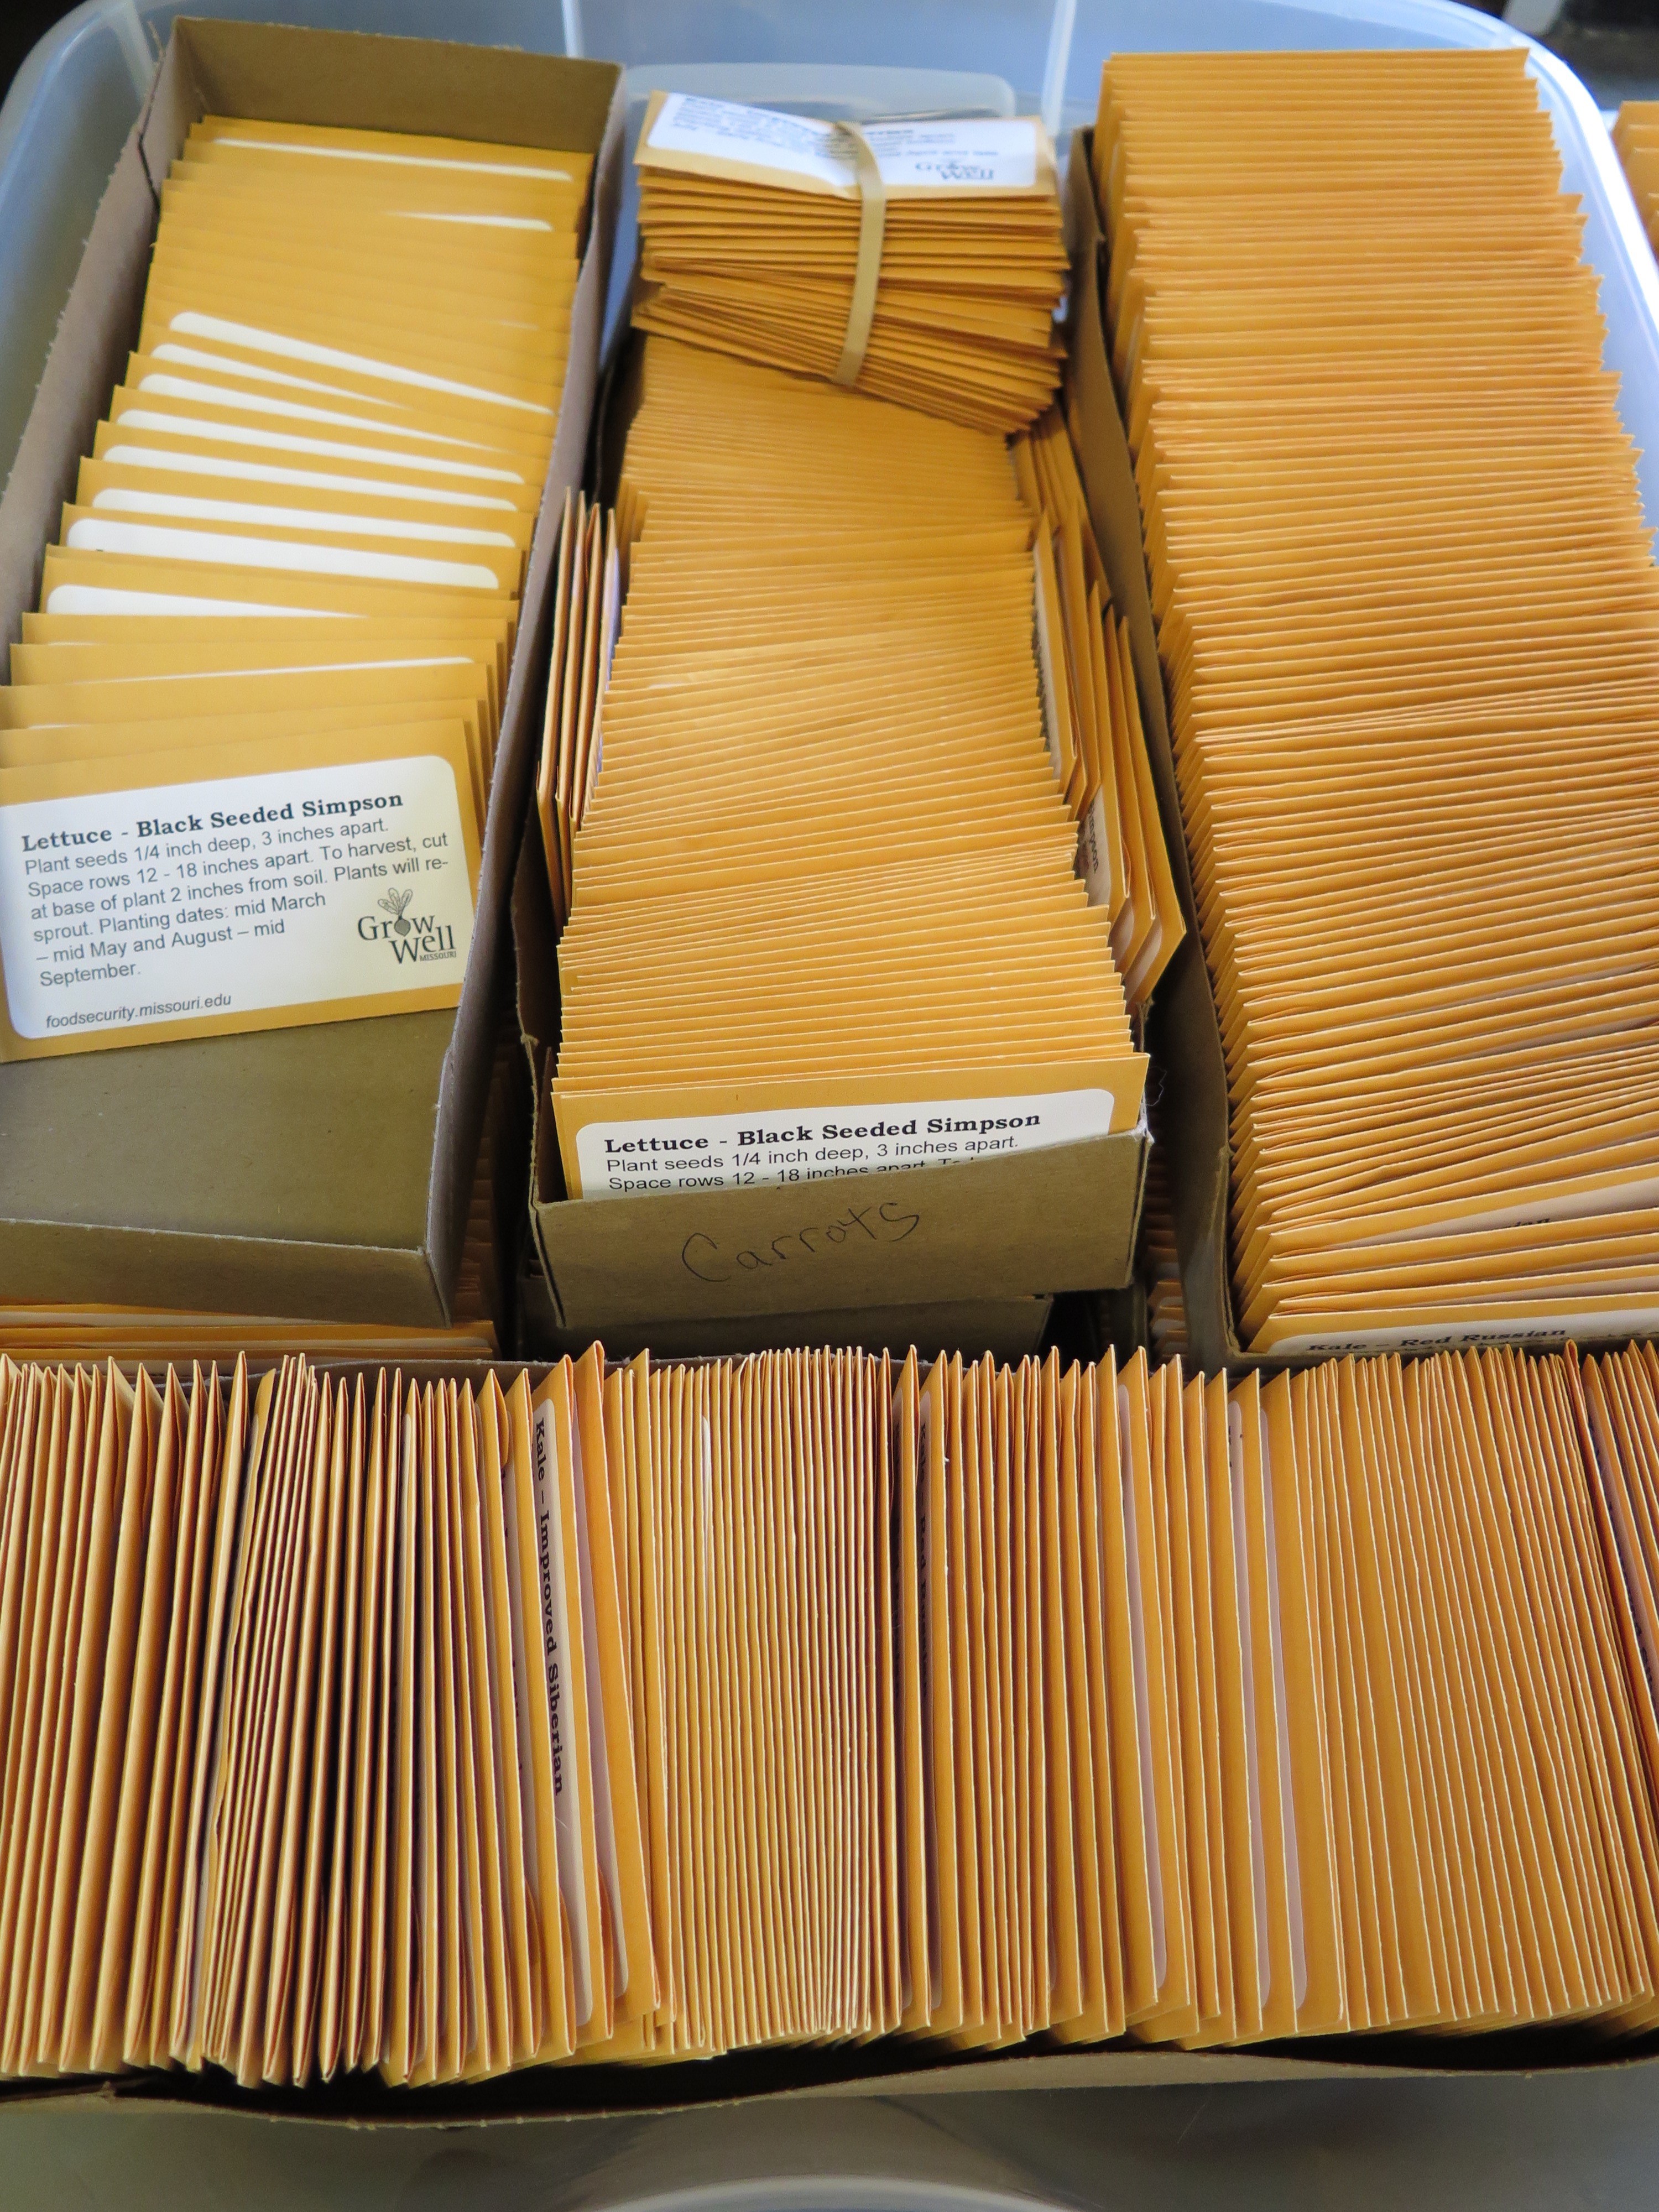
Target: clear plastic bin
<point x="77" y="96"/>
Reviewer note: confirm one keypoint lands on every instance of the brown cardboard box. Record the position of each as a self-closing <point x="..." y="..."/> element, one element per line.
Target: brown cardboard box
<point x="319" y="1172"/>
<point x="861" y="1258"/>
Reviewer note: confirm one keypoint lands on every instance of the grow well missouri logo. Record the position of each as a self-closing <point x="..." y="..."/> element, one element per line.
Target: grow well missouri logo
<point x="413" y="938"/>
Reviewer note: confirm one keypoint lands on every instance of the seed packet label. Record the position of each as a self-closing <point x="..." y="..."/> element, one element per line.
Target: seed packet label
<point x="618" y="1159"/>
<point x="552" y="1569"/>
<point x="127" y="911"/>
<point x="983" y="155"/>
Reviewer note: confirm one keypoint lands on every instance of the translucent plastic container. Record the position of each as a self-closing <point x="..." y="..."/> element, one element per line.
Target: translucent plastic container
<point x="77" y="96"/>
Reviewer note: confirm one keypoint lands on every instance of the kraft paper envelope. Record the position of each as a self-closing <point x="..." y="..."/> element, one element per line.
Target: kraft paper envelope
<point x="228" y="406"/>
<point x="152" y="432"/>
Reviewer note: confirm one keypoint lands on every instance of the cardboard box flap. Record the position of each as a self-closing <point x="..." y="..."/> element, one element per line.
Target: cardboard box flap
<point x="430" y="87"/>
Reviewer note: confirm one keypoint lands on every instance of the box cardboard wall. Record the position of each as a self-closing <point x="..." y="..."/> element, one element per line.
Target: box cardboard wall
<point x="321" y="1172"/>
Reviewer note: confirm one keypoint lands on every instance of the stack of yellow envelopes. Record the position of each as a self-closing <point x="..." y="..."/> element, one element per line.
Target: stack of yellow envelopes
<point x="119" y="1536"/>
<point x="825" y="909"/>
<point x="1619" y="1413"/>
<point x="301" y="537"/>
<point x="923" y="262"/>
<point x="1409" y="620"/>
<point x="662" y="1712"/>
<point x="669" y="1711"/>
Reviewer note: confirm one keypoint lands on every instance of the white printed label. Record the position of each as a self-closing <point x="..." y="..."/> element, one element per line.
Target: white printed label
<point x="555" y="1656"/>
<point x="127" y="909"/>
<point x="984" y="154"/>
<point x="618" y="1159"/>
<point x="1143" y="1693"/>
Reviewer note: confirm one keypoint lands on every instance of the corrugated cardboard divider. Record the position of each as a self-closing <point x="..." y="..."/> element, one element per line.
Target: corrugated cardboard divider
<point x="322" y="1172"/>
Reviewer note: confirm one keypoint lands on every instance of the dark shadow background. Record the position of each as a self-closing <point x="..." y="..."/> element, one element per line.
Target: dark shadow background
<point x="22" y="23"/>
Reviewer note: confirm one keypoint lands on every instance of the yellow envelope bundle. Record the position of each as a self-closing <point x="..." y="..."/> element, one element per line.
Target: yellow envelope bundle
<point x="919" y="261"/>
<point x="364" y="1724"/>
<point x="825" y="913"/>
<point x="264" y="687"/>
<point x="1409" y="622"/>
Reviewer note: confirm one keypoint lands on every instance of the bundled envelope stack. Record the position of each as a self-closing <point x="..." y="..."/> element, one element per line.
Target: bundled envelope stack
<point x="917" y="261"/>
<point x="655" y="1712"/>
<point x="1409" y="619"/>
<point x="826" y="915"/>
<point x="299" y="545"/>
<point x="1636" y="134"/>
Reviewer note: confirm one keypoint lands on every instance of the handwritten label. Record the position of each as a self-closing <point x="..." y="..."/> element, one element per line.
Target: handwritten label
<point x="712" y="1262"/>
<point x="620" y="1160"/>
